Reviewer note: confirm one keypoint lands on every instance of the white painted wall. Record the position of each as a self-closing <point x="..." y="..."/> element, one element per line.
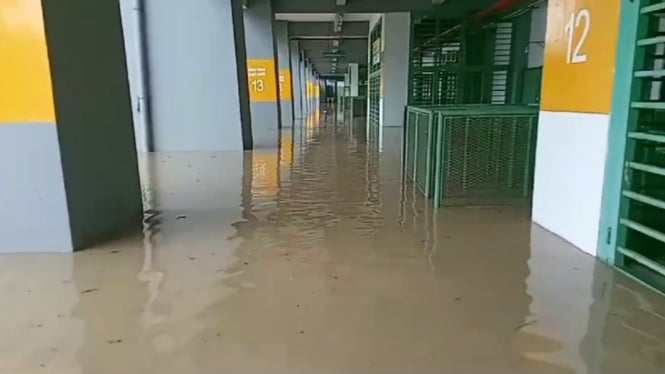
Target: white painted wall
<point x="570" y="171"/>
<point x="395" y="67"/>
<point x="570" y="162"/>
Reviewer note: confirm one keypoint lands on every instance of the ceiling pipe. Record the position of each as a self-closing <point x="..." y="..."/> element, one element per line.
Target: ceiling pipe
<point x="498" y="7"/>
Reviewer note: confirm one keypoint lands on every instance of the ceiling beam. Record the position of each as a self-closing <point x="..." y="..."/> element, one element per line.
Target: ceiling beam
<point x="299" y="30"/>
<point x="451" y="8"/>
<point x="356" y="51"/>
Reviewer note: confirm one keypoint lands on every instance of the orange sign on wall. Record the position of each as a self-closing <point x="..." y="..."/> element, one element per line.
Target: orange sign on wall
<point x="25" y="78"/>
<point x="262" y="79"/>
<point x="285" y="84"/>
<point x="580" y="53"/>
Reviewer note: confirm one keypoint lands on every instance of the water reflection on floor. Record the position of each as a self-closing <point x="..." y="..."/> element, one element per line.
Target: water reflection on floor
<point x="317" y="259"/>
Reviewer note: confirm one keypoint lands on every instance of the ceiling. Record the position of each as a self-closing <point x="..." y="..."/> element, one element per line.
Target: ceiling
<point x="322" y="17"/>
<point x="356" y="51"/>
<point x="453" y="7"/>
<point x="317" y="34"/>
<point x="317" y="20"/>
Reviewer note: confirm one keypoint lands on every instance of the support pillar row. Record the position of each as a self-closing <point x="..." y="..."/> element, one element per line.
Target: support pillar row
<point x="68" y="161"/>
<point x="296" y="81"/>
<point x="197" y="75"/>
<point x="284" y="73"/>
<point x="263" y="74"/>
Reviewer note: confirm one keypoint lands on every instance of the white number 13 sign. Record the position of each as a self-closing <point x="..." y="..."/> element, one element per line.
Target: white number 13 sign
<point x="579" y="23"/>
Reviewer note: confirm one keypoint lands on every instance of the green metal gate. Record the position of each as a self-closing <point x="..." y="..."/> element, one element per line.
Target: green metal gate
<point x="374" y="81"/>
<point x="419" y="148"/>
<point x="636" y="234"/>
<point x="452" y="63"/>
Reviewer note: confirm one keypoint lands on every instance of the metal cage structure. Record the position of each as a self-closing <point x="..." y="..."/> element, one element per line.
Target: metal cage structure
<point x="471" y="154"/>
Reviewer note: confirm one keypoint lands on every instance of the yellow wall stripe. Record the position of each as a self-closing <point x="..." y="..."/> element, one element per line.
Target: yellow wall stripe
<point x="580" y="51"/>
<point x="25" y="80"/>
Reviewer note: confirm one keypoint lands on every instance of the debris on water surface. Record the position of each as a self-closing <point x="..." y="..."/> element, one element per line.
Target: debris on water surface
<point x="525" y="324"/>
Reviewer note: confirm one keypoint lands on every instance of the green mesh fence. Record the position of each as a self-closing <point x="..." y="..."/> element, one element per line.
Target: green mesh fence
<point x="375" y="99"/>
<point x="485" y="154"/>
<point x="424" y="152"/>
<point x="374" y="76"/>
<point x="410" y="143"/>
<point x="419" y="148"/>
<point x="472" y="154"/>
<point x="453" y="62"/>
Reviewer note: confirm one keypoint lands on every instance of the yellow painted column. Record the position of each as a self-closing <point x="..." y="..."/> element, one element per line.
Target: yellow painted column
<point x="285" y="91"/>
<point x="47" y="67"/>
<point x="262" y="79"/>
<point x="31" y="174"/>
<point x="578" y="80"/>
<point x="25" y="80"/>
<point x="580" y="49"/>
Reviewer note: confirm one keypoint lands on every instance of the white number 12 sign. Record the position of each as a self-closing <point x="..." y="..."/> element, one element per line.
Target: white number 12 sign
<point x="579" y="22"/>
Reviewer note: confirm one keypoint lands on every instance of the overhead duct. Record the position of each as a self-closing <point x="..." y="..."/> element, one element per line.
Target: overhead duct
<point x="498" y="7"/>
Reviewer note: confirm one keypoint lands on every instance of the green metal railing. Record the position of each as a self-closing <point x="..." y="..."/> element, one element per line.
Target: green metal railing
<point x="374" y="76"/>
<point x="453" y="63"/>
<point x="471" y="154"/>
<point x="640" y="248"/>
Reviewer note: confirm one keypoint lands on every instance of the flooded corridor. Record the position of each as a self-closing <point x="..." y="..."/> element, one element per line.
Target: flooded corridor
<point x="317" y="258"/>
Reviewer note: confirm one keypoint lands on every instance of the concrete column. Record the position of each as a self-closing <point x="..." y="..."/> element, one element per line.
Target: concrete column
<point x="284" y="73"/>
<point x="68" y="186"/>
<point x="317" y="92"/>
<point x="197" y="75"/>
<point x="263" y="77"/>
<point x="395" y="68"/>
<point x="303" y="82"/>
<point x="310" y="82"/>
<point x="296" y="81"/>
<point x="132" y="18"/>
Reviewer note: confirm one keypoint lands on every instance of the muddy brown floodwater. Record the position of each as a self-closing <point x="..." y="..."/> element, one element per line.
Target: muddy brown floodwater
<point x="317" y="258"/>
